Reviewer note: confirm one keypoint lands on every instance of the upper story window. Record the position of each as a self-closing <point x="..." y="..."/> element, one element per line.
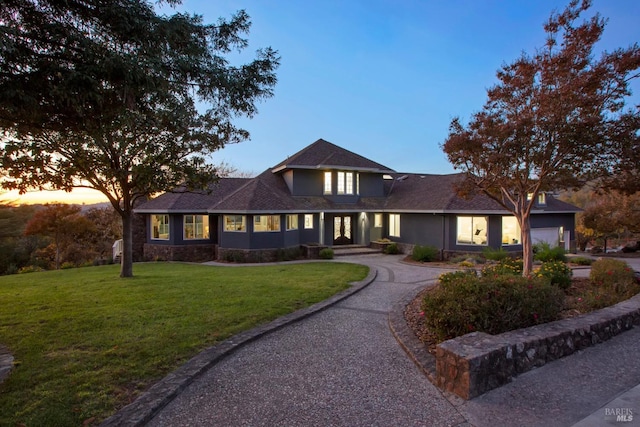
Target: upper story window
<point x="345" y="182"/>
<point x="160" y="227"/>
<point x="263" y="223"/>
<point x="196" y="227"/>
<point x="235" y="223"/>
<point x="542" y="198"/>
<point x="327" y="183"/>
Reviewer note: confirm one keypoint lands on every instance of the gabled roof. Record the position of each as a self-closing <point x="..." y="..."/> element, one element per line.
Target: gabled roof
<point x="323" y="154"/>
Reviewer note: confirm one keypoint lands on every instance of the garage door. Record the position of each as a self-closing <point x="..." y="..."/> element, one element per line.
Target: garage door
<point x="545" y="235"/>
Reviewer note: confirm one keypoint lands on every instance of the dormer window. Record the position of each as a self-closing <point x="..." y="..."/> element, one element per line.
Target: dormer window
<point x="542" y="198"/>
<point x="345" y="183"/>
<point x="327" y="183"/>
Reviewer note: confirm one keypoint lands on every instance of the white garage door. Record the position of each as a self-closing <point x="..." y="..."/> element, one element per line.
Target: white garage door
<point x="549" y="235"/>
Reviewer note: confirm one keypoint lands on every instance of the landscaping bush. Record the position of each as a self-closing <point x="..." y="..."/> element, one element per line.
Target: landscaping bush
<point x="495" y="254"/>
<point x="467" y="257"/>
<point x="581" y="260"/>
<point x="454" y="276"/>
<point x="392" y="249"/>
<point x="464" y="303"/>
<point x="557" y="272"/>
<point x="505" y="266"/>
<point x="326" y="253"/>
<point x="616" y="282"/>
<point x="425" y="253"/>
<point x="543" y="252"/>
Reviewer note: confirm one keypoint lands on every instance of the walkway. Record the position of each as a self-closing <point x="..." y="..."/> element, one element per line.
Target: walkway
<point x="342" y="367"/>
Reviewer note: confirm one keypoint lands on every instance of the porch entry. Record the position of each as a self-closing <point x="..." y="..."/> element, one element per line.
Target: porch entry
<point x="343" y="230"/>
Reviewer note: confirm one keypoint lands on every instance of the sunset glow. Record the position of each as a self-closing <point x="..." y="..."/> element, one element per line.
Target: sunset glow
<point x="78" y="196"/>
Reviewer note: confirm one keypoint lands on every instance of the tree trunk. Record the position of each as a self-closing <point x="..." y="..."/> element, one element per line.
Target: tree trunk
<point x="126" y="260"/>
<point x="527" y="246"/>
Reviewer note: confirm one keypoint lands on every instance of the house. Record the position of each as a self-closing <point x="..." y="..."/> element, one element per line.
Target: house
<point x="327" y="195"/>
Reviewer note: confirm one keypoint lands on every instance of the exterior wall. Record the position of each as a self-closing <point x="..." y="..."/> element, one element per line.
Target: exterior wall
<point x="309" y="235"/>
<point x="568" y="221"/>
<point x="371" y="185"/>
<point x="306" y="182"/>
<point x="190" y="253"/>
<point x="375" y="233"/>
<point x="420" y="229"/>
<point x="176" y="232"/>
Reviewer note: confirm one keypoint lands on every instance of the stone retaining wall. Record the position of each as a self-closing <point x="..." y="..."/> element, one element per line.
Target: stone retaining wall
<point x="475" y="363"/>
<point x="189" y="253"/>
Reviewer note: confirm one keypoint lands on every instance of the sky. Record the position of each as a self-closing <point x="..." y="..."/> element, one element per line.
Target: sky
<point x="384" y="78"/>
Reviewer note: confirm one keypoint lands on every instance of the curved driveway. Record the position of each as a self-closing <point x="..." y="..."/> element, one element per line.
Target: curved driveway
<point x="342" y="367"/>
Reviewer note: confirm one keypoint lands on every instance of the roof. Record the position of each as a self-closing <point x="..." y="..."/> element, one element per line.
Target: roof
<point x="269" y="193"/>
<point x="323" y="154"/>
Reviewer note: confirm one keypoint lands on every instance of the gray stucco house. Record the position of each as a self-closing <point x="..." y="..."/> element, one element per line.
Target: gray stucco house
<point x="330" y="196"/>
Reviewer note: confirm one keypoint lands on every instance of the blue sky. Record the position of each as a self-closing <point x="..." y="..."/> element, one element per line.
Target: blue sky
<point x="384" y="78"/>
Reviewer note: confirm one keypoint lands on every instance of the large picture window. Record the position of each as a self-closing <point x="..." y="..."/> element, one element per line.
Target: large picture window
<point x="160" y="227"/>
<point x="472" y="230"/>
<point x="292" y="222"/>
<point x="345" y="182"/>
<point x="262" y="223"/>
<point x="394" y="225"/>
<point x="510" y="231"/>
<point x="196" y="227"/>
<point x="235" y="223"/>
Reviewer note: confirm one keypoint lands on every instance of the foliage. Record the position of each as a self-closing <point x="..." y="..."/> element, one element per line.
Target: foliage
<point x="467" y="257"/>
<point x="507" y="266"/>
<point x="550" y="122"/>
<point x="495" y="254"/>
<point x="89" y="343"/>
<point x="557" y="272"/>
<point x="454" y="276"/>
<point x="581" y="260"/>
<point x="425" y="253"/>
<point x="392" y="249"/>
<point x="65" y="226"/>
<point x="543" y="252"/>
<point x="492" y="304"/>
<point x="615" y="282"/>
<point x="109" y="95"/>
<point x="326" y="253"/>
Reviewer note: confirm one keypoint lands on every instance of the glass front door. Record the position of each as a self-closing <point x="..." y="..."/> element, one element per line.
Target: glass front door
<point x="342" y="231"/>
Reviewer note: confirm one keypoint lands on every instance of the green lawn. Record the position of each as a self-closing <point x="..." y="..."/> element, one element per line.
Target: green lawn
<point x="87" y="342"/>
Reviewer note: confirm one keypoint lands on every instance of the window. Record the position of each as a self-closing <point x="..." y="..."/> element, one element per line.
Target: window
<point x="196" y="227"/>
<point x="377" y="220"/>
<point x="292" y="222"/>
<point x="542" y="198"/>
<point x="561" y="235"/>
<point x="308" y="221"/>
<point x="472" y="230"/>
<point x="160" y="227"/>
<point x="345" y="182"/>
<point x="510" y="231"/>
<point x="234" y="223"/>
<point x="394" y="225"/>
<point x="263" y="223"/>
<point x="327" y="183"/>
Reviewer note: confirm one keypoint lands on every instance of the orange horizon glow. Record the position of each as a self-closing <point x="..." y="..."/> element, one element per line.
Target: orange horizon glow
<point x="79" y="196"/>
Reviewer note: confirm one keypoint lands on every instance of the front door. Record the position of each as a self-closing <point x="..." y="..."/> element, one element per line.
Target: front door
<point x="342" y="230"/>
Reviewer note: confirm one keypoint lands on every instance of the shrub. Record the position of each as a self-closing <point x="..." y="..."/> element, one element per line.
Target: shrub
<point x="326" y="253"/>
<point x="67" y="265"/>
<point x="616" y="282"/>
<point x="425" y="253"/>
<point x="495" y="254"/>
<point x="557" y="272"/>
<point x="455" y="276"/>
<point x="467" y="257"/>
<point x="464" y="303"/>
<point x="581" y="260"/>
<point x="543" y="252"/>
<point x="508" y="266"/>
<point x="392" y="249"/>
<point x="30" y="269"/>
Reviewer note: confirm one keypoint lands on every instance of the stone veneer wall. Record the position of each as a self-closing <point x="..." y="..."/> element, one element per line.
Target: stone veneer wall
<point x="475" y="363"/>
<point x="189" y="253"/>
<point x="259" y="255"/>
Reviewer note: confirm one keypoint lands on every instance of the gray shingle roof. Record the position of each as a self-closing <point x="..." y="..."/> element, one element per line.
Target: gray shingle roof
<point x="323" y="154"/>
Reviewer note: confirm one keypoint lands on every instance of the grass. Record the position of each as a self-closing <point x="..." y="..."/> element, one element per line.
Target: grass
<point x="87" y="343"/>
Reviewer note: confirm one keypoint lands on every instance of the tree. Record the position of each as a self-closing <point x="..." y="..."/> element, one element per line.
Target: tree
<point x="108" y="95"/>
<point x="548" y="123"/>
<point x="63" y="224"/>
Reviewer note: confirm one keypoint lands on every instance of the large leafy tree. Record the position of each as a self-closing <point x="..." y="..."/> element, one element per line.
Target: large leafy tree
<point x="550" y="119"/>
<point x="113" y="96"/>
